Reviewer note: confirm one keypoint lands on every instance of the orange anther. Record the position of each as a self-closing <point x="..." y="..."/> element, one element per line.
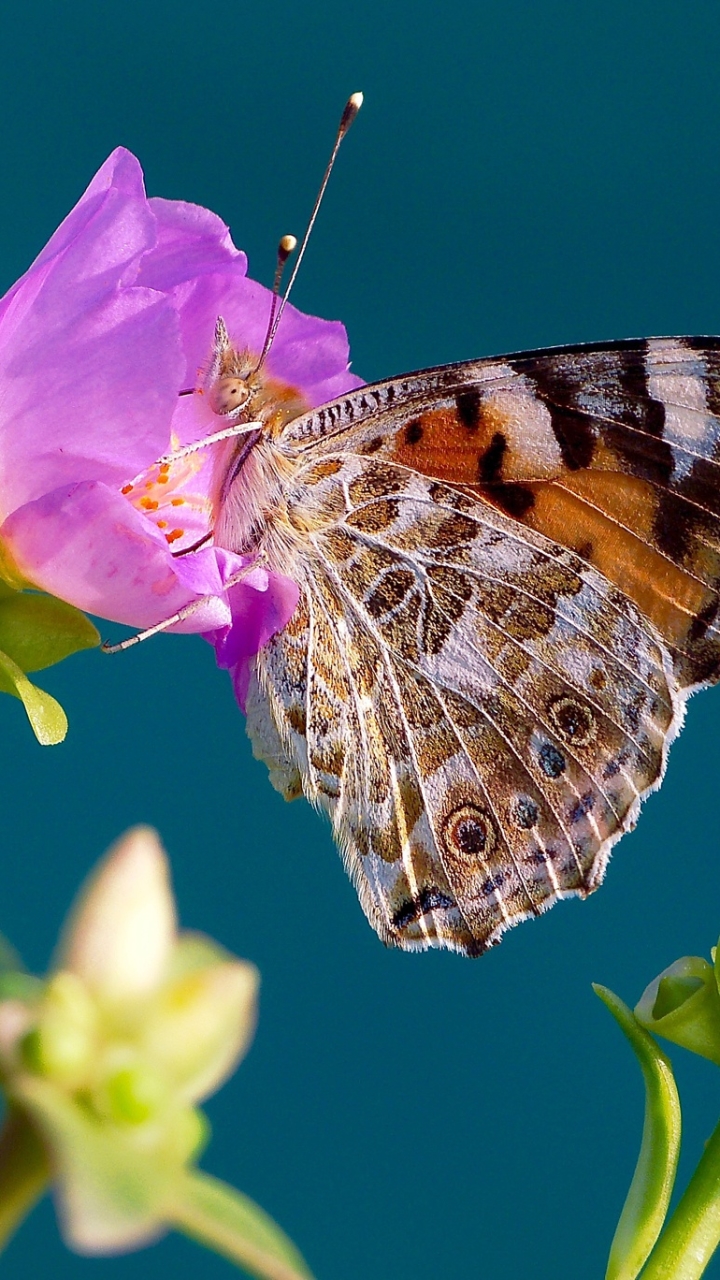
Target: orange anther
<point x="162" y="524"/>
<point x="149" y="504"/>
<point x="127" y="488"/>
<point x="177" y="502"/>
<point x="164" y="468"/>
<point x="173" y="537"/>
<point x="163" y="479"/>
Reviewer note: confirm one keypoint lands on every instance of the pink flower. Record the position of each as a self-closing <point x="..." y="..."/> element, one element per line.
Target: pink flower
<point x="112" y="320"/>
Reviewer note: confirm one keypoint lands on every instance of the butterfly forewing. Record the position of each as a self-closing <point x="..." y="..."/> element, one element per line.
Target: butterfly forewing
<point x="610" y="450"/>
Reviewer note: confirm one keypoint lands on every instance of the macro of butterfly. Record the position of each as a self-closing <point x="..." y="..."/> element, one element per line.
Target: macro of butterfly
<point x="509" y="575"/>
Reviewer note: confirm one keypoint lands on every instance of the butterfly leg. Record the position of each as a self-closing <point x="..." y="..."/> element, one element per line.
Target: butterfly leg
<point x="238" y="429"/>
<point x="186" y="612"/>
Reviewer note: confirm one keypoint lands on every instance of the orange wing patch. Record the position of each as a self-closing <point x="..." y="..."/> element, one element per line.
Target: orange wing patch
<point x="502" y="447"/>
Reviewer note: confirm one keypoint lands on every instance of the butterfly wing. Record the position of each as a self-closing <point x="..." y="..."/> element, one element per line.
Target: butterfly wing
<point x="612" y="450"/>
<point x="479" y="710"/>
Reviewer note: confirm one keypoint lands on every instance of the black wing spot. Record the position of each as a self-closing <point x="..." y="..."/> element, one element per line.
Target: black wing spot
<point x="524" y="813"/>
<point x="552" y="761"/>
<point x="413" y="431"/>
<point x="581" y="808"/>
<point x="574" y="433"/>
<point x="469" y="832"/>
<point x="429" y="899"/>
<point x="491" y="459"/>
<point x="468" y="407"/>
<point x="573" y="720"/>
<point x="515" y="499"/>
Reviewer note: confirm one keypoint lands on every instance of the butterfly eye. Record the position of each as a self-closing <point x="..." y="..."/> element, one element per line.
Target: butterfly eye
<point x="228" y="395"/>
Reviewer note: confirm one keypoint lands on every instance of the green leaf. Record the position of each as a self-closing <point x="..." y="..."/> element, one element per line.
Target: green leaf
<point x="223" y="1219"/>
<point x="36" y="630"/>
<point x="46" y="716"/>
<point x="647" y="1201"/>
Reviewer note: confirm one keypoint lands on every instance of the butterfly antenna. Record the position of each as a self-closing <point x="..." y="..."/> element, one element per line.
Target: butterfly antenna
<point x="287" y="245"/>
<point x="352" y="106"/>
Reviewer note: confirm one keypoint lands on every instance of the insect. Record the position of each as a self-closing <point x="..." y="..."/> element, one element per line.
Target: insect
<point x="509" y="576"/>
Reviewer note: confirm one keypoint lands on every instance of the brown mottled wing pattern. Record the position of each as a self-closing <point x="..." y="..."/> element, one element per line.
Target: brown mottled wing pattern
<point x="479" y="710"/>
<point x="611" y="450"/>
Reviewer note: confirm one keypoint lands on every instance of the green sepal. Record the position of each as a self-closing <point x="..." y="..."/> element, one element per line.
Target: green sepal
<point x="9" y="958"/>
<point x="111" y="1191"/>
<point x="37" y="631"/>
<point x="647" y="1200"/>
<point x="223" y="1219"/>
<point x="16" y="985"/>
<point x="46" y="716"/>
<point x="683" y="1005"/>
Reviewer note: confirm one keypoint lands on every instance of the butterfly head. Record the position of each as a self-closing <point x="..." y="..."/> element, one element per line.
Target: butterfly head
<point x="227" y="381"/>
<point x="240" y="390"/>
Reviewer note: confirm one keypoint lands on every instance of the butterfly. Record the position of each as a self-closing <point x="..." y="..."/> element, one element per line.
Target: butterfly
<point x="509" y="575"/>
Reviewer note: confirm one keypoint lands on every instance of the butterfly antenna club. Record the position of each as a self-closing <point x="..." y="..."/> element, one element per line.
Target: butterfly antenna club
<point x="352" y="106"/>
<point x="287" y="245"/>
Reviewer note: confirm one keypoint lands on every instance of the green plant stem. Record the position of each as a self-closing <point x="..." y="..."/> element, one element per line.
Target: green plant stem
<point x="649" y="1196"/>
<point x="24" y="1172"/>
<point x="693" y="1233"/>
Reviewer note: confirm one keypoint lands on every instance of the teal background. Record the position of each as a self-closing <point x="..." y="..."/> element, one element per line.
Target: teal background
<point x="523" y="173"/>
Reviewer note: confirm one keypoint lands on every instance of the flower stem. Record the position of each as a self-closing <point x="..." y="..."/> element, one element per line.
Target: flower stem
<point x="24" y="1172"/>
<point x="693" y="1232"/>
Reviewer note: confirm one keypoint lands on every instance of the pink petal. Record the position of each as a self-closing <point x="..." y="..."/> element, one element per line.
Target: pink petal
<point x="191" y="241"/>
<point x="88" y="545"/>
<point x="254" y="621"/>
<point x="89" y="365"/>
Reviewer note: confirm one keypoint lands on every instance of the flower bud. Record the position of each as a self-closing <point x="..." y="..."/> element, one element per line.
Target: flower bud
<point x="683" y="1005"/>
<point x="109" y="1056"/>
<point x="122" y="929"/>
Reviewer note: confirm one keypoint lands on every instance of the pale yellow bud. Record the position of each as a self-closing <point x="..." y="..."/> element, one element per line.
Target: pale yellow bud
<point x="121" y="932"/>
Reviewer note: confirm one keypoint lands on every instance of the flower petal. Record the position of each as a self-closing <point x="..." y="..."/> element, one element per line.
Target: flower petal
<point x="254" y="621"/>
<point x="90" y="363"/>
<point x="308" y="353"/>
<point x="89" y="546"/>
<point x="201" y="1026"/>
<point x="120" y="934"/>
<point x="110" y="1196"/>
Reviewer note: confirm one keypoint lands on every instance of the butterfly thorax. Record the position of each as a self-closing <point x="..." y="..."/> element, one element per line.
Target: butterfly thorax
<point x="251" y="507"/>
